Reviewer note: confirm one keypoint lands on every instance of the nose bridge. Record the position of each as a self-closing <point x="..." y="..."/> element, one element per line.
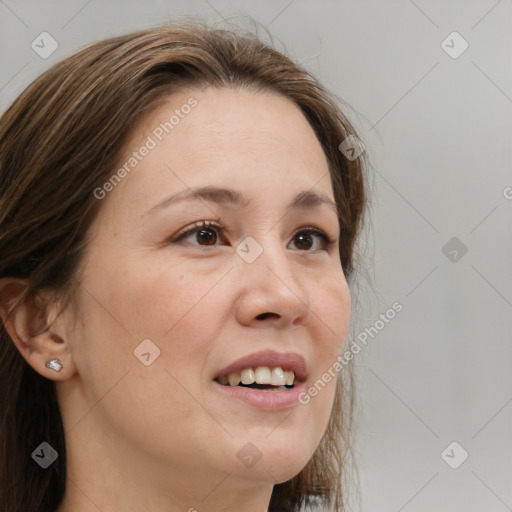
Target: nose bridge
<point x="269" y="269"/>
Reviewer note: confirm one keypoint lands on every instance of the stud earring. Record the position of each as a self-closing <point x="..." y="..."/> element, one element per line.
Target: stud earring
<point x="54" y="365"/>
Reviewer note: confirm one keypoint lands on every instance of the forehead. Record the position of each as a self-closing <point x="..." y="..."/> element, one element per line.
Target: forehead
<point x="256" y="142"/>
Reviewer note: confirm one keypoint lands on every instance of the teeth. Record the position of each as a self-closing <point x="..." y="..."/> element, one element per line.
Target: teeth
<point x="261" y="375"/>
<point x="289" y="377"/>
<point x="278" y="377"/>
<point x="234" y="379"/>
<point x="247" y="376"/>
<point x="280" y="388"/>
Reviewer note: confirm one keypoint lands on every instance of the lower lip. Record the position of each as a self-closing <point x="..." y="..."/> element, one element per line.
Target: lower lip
<point x="266" y="400"/>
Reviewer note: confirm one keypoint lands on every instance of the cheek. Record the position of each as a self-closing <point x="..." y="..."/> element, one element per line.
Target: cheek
<point x="140" y="402"/>
<point x="179" y="310"/>
<point x="154" y="300"/>
<point x="124" y="303"/>
<point x="331" y="303"/>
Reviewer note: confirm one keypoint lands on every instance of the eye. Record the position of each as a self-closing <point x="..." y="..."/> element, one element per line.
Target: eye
<point x="203" y="228"/>
<point x="209" y="231"/>
<point x="305" y="236"/>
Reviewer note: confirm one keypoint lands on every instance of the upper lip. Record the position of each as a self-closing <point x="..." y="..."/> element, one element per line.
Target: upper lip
<point x="287" y="361"/>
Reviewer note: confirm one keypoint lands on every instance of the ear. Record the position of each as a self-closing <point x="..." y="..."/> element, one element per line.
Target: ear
<point x="31" y="322"/>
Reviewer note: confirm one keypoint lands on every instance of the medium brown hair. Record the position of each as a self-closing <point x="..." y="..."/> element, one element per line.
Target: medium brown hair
<point x="60" y="140"/>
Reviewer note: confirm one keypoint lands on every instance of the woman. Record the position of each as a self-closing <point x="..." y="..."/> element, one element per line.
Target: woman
<point x="177" y="228"/>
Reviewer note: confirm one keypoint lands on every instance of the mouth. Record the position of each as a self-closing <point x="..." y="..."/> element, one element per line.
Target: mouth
<point x="268" y="380"/>
<point x="262" y="378"/>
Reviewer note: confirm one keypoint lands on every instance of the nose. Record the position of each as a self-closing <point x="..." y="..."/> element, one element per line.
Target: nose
<point x="272" y="289"/>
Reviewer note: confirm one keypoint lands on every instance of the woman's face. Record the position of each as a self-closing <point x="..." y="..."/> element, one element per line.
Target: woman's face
<point x="164" y="316"/>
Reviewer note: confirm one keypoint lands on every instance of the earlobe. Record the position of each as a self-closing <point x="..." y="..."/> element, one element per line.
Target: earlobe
<point x="54" y="364"/>
<point x="26" y="320"/>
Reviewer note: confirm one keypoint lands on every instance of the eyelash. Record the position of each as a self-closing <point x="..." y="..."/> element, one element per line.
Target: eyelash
<point x="207" y="224"/>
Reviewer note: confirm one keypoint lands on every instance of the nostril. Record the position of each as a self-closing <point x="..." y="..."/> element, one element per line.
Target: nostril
<point x="265" y="315"/>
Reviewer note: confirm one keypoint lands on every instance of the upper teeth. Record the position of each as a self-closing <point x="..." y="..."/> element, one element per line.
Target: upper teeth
<point x="261" y="375"/>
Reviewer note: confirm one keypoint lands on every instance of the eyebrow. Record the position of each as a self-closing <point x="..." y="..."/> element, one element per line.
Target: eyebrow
<point x="306" y="199"/>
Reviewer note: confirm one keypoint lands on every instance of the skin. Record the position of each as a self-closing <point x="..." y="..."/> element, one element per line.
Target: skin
<point x="162" y="437"/>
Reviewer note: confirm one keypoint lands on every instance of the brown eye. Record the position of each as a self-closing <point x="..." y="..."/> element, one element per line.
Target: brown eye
<point x="207" y="231"/>
<point x="305" y="238"/>
<point x="208" y="235"/>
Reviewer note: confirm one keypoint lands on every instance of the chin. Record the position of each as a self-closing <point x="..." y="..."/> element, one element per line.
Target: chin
<point x="279" y="461"/>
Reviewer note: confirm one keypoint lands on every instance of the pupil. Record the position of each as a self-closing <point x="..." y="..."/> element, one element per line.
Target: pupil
<point x="207" y="238"/>
<point x="301" y="237"/>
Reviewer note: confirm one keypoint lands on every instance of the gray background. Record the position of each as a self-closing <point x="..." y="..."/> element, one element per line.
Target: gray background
<point x="438" y="134"/>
